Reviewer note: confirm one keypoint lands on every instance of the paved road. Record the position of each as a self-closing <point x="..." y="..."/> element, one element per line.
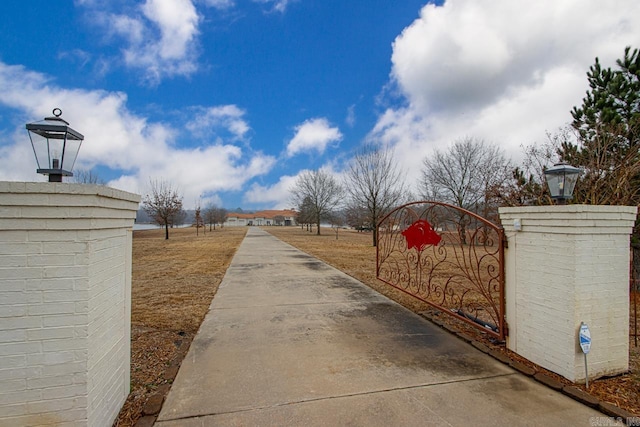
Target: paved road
<point x="289" y="341"/>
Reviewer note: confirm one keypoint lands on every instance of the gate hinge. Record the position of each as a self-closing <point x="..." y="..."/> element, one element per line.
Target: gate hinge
<point x="505" y="241"/>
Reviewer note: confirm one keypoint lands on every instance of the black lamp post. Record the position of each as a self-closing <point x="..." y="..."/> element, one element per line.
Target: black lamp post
<point x="55" y="145"/>
<point x="562" y="179"/>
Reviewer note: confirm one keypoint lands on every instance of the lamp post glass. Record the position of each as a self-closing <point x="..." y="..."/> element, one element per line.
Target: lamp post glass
<point x="562" y="179"/>
<point x="55" y="145"/>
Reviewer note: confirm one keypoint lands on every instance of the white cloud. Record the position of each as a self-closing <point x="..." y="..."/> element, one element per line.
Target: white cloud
<point x="474" y="52"/>
<point x="507" y="71"/>
<point x="228" y="117"/>
<point x="120" y="139"/>
<point x="313" y="135"/>
<point x="278" y="5"/>
<point x="219" y="4"/>
<point x="350" y="120"/>
<point x="277" y="195"/>
<point x="177" y="21"/>
<point x="132" y="29"/>
<point x="161" y="37"/>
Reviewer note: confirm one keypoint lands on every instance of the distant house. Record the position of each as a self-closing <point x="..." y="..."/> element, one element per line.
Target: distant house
<point x="285" y="217"/>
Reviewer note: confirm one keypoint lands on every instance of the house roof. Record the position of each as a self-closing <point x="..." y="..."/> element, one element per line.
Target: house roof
<point x="267" y="214"/>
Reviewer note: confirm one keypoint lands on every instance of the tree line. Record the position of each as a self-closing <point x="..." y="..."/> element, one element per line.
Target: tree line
<point x="163" y="204"/>
<point x="472" y="174"/>
<point x="602" y="140"/>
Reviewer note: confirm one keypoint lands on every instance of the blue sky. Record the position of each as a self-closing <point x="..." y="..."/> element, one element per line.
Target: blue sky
<point x="231" y="99"/>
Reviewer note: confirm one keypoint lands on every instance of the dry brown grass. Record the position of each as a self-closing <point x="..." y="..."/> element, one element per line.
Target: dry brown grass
<point x="354" y="254"/>
<point x="173" y="283"/>
<point x="175" y="279"/>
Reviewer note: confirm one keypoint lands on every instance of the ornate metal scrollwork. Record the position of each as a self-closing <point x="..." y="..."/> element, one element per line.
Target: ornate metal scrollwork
<point x="447" y="257"/>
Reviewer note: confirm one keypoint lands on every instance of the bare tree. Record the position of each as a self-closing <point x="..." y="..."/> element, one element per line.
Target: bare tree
<point x="83" y="176"/>
<point x="214" y="215"/>
<point x="610" y="163"/>
<point x="177" y="219"/>
<point x="375" y="184"/>
<point x="526" y="185"/>
<point x="209" y="216"/>
<point x="356" y="216"/>
<point x="163" y="203"/>
<point x="337" y="220"/>
<point x="611" y="175"/>
<point x="199" y="219"/>
<point x="318" y="192"/>
<point x="305" y="213"/>
<point x="220" y="216"/>
<point x="465" y="174"/>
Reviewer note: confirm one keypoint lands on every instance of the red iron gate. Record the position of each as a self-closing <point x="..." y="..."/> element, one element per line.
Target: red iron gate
<point x="447" y="257"/>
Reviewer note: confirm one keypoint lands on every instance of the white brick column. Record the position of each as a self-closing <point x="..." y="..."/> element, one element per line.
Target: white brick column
<point x="65" y="303"/>
<point x="569" y="264"/>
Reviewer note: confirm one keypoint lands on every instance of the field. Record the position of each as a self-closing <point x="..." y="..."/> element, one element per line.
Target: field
<point x="174" y="282"/>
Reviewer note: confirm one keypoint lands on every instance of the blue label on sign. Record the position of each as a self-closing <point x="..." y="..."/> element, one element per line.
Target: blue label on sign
<point x="585" y="338"/>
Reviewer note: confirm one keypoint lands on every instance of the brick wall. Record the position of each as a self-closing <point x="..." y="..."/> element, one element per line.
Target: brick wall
<point x="65" y="286"/>
<point x="569" y="264"/>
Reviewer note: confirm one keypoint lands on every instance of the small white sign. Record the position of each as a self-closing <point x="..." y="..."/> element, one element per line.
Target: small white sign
<point x="585" y="338"/>
<point x="517" y="224"/>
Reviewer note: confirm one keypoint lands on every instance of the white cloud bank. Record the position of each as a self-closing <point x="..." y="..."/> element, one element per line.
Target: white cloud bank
<point x="277" y="195"/>
<point x="124" y="141"/>
<point x="227" y="117"/>
<point x="313" y="135"/>
<point x="160" y="36"/>
<point x="506" y="71"/>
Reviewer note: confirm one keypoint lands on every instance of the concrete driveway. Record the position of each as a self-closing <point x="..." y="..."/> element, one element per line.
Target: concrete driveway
<point x="291" y="341"/>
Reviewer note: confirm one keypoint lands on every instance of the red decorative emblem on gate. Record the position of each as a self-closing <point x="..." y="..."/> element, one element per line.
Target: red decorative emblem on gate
<point x="420" y="234"/>
<point x="457" y="265"/>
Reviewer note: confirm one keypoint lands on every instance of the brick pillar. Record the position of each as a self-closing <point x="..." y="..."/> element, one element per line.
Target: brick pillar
<point x="65" y="302"/>
<point x="569" y="264"/>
